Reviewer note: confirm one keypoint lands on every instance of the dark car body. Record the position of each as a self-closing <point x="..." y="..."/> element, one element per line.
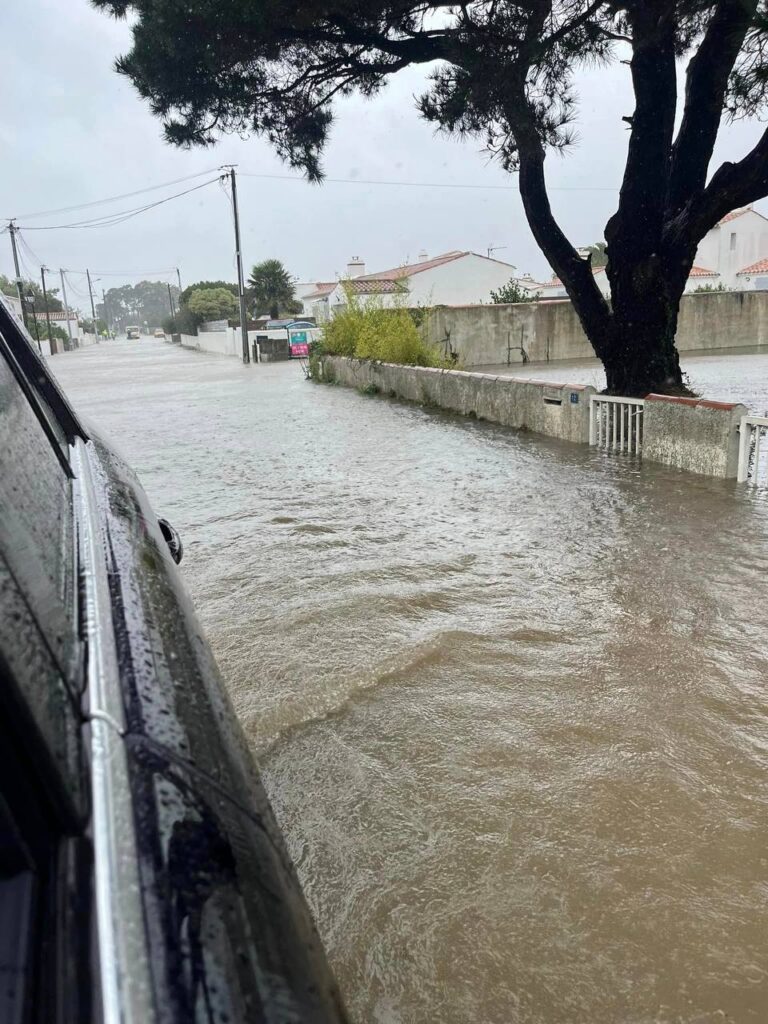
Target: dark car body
<point x="143" y="877"/>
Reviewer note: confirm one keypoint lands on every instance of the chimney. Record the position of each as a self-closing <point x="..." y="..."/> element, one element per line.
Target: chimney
<point x="355" y="267"/>
<point x="423" y="256"/>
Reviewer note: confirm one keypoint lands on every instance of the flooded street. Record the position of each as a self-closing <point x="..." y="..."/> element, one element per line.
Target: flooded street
<point x="721" y="376"/>
<point x="508" y="695"/>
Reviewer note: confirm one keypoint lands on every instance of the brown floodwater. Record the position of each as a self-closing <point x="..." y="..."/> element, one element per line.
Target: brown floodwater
<point x="508" y="695"/>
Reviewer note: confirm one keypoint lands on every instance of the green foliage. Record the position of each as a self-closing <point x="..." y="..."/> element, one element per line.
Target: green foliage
<point x="212" y="304"/>
<point x="136" y="303"/>
<point x="712" y="288"/>
<point x="39" y="328"/>
<point x="8" y="287"/>
<point x="271" y="67"/>
<point x="372" y="331"/>
<point x="513" y="292"/>
<point x="101" y="327"/>
<point x="198" y="285"/>
<point x="272" y="289"/>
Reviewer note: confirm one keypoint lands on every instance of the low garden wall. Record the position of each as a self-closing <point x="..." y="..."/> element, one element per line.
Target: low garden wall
<point x="690" y="434"/>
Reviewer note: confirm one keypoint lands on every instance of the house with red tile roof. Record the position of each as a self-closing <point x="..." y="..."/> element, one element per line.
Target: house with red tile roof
<point x="314" y="298"/>
<point x="735" y="247"/>
<point x="555" y="289"/>
<point x="455" y="278"/>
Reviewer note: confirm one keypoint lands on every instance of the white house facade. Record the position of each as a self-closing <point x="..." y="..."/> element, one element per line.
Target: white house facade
<point x="733" y="255"/>
<point x="457" y="278"/>
<point x="734" y="247"/>
<point x="314" y="299"/>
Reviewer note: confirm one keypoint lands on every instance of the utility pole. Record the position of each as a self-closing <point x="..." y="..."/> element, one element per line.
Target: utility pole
<point x="178" y="278"/>
<point x="239" y="258"/>
<point x="12" y="229"/>
<point x="170" y="299"/>
<point x="51" y="340"/>
<point x="66" y="307"/>
<point x="106" y="315"/>
<point x="93" y="308"/>
<point x="37" y="326"/>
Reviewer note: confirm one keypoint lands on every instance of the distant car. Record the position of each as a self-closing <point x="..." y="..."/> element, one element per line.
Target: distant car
<point x="132" y="332"/>
<point x="143" y="877"/>
<point x="159" y="332"/>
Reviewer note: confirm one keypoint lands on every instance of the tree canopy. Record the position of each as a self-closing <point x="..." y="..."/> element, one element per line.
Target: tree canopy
<point x="8" y="287"/>
<point x="212" y="304"/>
<point x="272" y="289"/>
<point x="198" y="285"/>
<point x="505" y="72"/>
<point x="136" y="303"/>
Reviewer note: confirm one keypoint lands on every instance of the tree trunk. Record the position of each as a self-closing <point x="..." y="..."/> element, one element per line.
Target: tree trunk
<point x="640" y="357"/>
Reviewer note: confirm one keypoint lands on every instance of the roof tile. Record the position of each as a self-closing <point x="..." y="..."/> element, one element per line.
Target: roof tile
<point x="413" y="268"/>
<point x="761" y="267"/>
<point x="702" y="272"/>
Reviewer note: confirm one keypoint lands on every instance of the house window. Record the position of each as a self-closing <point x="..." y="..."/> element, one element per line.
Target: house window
<point x="733" y="241"/>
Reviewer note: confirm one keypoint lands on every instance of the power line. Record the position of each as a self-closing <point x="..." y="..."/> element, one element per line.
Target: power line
<point x="111" y="199"/>
<point x="427" y="184"/>
<point x="110" y="220"/>
<point x="28" y="249"/>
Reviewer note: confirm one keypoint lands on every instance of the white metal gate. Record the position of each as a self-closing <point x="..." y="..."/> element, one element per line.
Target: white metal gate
<point x="753" y="450"/>
<point x="616" y="424"/>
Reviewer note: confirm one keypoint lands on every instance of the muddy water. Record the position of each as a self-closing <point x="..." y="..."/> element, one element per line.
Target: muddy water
<point x="509" y="696"/>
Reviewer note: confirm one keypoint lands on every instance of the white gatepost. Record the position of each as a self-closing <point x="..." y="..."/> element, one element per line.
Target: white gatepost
<point x="750" y="434"/>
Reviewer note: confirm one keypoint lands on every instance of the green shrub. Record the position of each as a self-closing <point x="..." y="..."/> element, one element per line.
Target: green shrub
<point x="372" y="331"/>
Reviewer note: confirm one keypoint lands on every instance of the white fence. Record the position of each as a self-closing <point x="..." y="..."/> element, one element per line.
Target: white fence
<point x="616" y="424"/>
<point x="753" y="459"/>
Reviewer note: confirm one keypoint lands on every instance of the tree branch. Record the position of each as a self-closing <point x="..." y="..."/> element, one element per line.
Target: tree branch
<point x="575" y="272"/>
<point x="569" y="26"/>
<point x="732" y="185"/>
<point x="705" y="88"/>
<point x="638" y="223"/>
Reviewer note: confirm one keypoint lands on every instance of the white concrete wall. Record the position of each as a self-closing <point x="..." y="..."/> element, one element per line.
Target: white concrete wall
<point x="223" y="343"/>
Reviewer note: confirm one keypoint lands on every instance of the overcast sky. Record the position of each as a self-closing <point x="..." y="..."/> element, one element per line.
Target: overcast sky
<point x="73" y="131"/>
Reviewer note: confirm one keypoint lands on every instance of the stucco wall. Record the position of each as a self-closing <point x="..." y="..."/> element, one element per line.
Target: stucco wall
<point x="557" y="410"/>
<point x="689" y="434"/>
<point x="693" y="434"/>
<point x="550" y="331"/>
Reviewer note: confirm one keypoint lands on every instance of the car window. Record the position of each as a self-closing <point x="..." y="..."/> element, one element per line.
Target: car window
<point x="36" y="524"/>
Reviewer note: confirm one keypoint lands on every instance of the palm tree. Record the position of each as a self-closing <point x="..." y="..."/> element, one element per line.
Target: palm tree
<point x="272" y="288"/>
